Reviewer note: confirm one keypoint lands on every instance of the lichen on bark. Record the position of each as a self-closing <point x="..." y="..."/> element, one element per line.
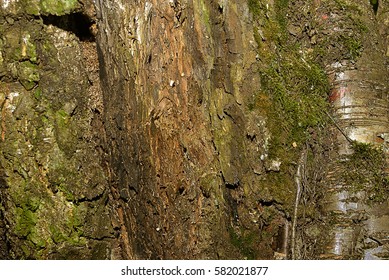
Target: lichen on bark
<point x="54" y="197"/>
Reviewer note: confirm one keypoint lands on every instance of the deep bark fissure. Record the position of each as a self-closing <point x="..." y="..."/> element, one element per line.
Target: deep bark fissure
<point x="79" y="24"/>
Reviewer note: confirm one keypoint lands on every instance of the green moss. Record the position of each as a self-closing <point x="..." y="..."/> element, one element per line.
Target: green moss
<point x="365" y="170"/>
<point x="255" y="7"/>
<point x="31" y="7"/>
<point x="28" y="74"/>
<point x="280" y="186"/>
<point x="56" y="234"/>
<point x="25" y="221"/>
<point x="353" y="45"/>
<point x="53" y="7"/>
<point x="68" y="194"/>
<point x="26" y="249"/>
<point x="209" y="184"/>
<point x="281" y="7"/>
<point x="33" y="203"/>
<point x="65" y="132"/>
<point x="76" y="220"/>
<point x="297" y="90"/>
<point x="62" y="118"/>
<point x="38" y="93"/>
<point x="37" y="239"/>
<point x="348" y="6"/>
<point x="346" y="44"/>
<point x="29" y="49"/>
<point x="293" y="97"/>
<point x="294" y="87"/>
<point x="245" y="242"/>
<point x="69" y="230"/>
<point x="59" y="7"/>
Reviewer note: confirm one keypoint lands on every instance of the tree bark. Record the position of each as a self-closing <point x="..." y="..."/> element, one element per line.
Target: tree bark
<point x="188" y="129"/>
<point x="53" y="182"/>
<point x="358" y="223"/>
<point x="173" y="80"/>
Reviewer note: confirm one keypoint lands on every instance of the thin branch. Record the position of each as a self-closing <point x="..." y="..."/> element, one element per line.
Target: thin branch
<point x="340" y="129"/>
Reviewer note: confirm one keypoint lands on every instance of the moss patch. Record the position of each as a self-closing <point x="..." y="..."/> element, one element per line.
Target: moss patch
<point x="294" y="94"/>
<point x="59" y="7"/>
<point x="26" y="220"/>
<point x="245" y="242"/>
<point x="365" y="170"/>
<point x="28" y="74"/>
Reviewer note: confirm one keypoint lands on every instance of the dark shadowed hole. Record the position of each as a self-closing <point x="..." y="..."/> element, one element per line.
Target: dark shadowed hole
<point x="266" y="203"/>
<point x="232" y="186"/>
<point x="77" y="23"/>
<point x="181" y="190"/>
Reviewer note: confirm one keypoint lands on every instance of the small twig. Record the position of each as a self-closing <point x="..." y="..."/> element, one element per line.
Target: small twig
<point x="340" y="129"/>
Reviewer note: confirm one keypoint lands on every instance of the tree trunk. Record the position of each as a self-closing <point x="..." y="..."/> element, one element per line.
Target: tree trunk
<point x="53" y="181"/>
<point x="193" y="129"/>
<point x="355" y="205"/>
<point x="175" y="77"/>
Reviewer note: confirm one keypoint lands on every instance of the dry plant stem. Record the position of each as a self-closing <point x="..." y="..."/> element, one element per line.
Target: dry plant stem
<point x="299" y="185"/>
<point x="3" y="116"/>
<point x="286" y="238"/>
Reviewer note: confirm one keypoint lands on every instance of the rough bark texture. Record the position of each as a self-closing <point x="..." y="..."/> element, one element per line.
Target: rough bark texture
<point x="193" y="129"/>
<point x="54" y="196"/>
<point x="175" y="122"/>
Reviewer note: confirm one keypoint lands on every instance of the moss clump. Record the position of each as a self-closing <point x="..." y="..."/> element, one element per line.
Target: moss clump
<point x="28" y="74"/>
<point x="25" y="221"/>
<point x="255" y="7"/>
<point x="28" y="49"/>
<point x="59" y="7"/>
<point x="56" y="234"/>
<point x="365" y="170"/>
<point x="294" y="87"/>
<point x="209" y="184"/>
<point x="30" y="6"/>
<point x="346" y="43"/>
<point x="281" y="7"/>
<point x="293" y="97"/>
<point x="244" y="241"/>
<point x="37" y="239"/>
<point x="343" y="5"/>
<point x="353" y="45"/>
<point x="298" y="90"/>
<point x="38" y="93"/>
<point x="67" y="193"/>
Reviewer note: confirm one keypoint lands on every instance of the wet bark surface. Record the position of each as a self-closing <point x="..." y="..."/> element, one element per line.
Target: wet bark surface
<point x="193" y="129"/>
